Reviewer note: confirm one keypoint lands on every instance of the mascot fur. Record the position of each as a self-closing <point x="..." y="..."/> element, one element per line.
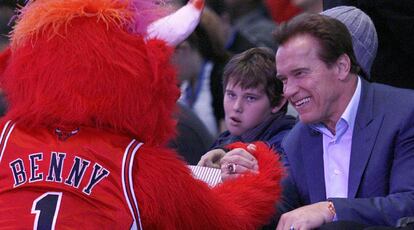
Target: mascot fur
<point x="91" y="93"/>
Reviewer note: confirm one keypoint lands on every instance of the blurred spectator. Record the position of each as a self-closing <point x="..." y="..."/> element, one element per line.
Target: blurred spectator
<point x="216" y="5"/>
<point x="194" y="76"/>
<point x="250" y="25"/>
<point x="281" y="10"/>
<point x="365" y="44"/>
<point x="309" y="6"/>
<point x="13" y="3"/>
<point x="192" y="139"/>
<point x="200" y="60"/>
<point x="394" y="21"/>
<point x="194" y="73"/>
<point x="6" y="12"/>
<point x="216" y="30"/>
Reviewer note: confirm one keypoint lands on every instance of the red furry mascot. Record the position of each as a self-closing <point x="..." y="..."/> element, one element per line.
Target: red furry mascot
<point x="91" y="93"/>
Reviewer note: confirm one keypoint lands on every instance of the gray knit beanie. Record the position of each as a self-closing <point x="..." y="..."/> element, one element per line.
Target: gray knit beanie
<point x="364" y="35"/>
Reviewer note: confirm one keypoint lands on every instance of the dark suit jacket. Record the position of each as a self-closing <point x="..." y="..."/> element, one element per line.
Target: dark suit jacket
<point x="381" y="174"/>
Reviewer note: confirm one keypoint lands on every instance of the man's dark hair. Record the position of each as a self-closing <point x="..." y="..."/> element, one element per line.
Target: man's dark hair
<point x="333" y="37"/>
<point x="255" y="68"/>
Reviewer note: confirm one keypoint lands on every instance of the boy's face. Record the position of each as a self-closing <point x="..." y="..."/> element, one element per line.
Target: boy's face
<point x="245" y="108"/>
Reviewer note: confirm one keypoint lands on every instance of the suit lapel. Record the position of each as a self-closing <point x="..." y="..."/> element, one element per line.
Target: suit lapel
<point x="313" y="162"/>
<point x="365" y="133"/>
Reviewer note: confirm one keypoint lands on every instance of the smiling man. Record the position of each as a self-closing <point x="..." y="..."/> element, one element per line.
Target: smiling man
<point x="350" y="156"/>
<point x="317" y="90"/>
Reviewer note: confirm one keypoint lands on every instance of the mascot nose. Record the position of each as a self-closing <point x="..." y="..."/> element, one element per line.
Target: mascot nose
<point x="176" y="27"/>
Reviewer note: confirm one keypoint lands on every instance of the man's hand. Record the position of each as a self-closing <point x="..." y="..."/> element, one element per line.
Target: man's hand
<point x="212" y="158"/>
<point x="306" y="217"/>
<point x="237" y="162"/>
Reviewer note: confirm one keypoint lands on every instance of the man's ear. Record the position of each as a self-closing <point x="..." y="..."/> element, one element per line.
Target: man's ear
<point x="4" y="59"/>
<point x="282" y="102"/>
<point x="343" y="65"/>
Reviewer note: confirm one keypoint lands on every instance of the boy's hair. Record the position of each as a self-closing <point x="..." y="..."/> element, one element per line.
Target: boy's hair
<point x="255" y="68"/>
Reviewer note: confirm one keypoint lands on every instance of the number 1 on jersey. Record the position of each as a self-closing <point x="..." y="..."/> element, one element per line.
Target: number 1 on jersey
<point x="46" y="208"/>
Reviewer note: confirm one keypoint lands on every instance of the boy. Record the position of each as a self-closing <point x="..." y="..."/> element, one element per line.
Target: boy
<point x="254" y="106"/>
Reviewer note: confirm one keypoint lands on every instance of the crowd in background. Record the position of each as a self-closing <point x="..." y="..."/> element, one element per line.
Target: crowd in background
<point x="229" y="27"/>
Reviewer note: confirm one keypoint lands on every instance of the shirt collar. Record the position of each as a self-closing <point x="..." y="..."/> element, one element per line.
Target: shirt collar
<point x="351" y="110"/>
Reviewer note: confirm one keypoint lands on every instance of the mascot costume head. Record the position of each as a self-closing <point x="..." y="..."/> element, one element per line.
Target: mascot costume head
<point x="93" y="63"/>
<point x="99" y="72"/>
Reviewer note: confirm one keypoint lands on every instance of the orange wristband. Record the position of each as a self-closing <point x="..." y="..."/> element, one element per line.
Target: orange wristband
<point x="331" y="208"/>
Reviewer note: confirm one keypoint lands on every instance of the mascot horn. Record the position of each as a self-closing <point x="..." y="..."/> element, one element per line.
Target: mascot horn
<point x="91" y="93"/>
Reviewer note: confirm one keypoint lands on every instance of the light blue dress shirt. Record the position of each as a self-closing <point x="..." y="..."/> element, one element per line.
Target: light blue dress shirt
<point x="337" y="149"/>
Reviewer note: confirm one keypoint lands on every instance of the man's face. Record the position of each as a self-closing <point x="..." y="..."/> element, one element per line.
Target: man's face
<point x="310" y="86"/>
<point x="245" y="108"/>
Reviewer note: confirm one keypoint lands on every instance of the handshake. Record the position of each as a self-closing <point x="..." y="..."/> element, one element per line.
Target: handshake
<point x="232" y="163"/>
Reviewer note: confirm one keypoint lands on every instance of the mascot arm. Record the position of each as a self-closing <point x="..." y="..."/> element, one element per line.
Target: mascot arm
<point x="169" y="197"/>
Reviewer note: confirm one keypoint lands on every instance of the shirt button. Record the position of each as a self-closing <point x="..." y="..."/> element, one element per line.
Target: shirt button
<point x="337" y="172"/>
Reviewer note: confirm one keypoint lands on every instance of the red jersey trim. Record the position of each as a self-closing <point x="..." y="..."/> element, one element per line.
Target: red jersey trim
<point x="5" y="134"/>
<point x="127" y="183"/>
